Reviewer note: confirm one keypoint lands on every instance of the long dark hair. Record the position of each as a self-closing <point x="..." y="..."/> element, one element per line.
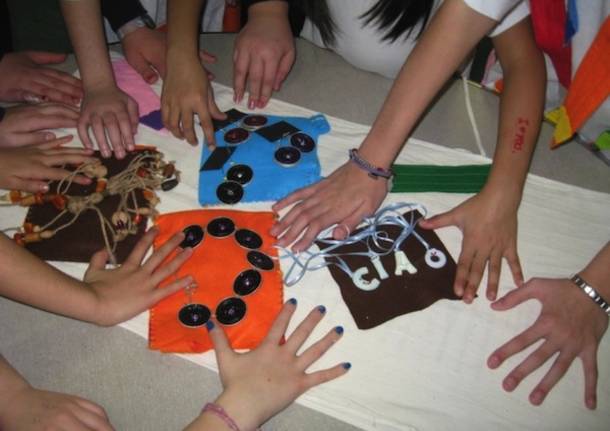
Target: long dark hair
<point x="395" y="18"/>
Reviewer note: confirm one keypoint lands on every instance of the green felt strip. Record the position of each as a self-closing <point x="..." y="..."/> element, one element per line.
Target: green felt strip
<point x="436" y="178"/>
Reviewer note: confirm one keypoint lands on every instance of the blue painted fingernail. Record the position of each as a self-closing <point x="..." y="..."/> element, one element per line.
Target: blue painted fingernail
<point x="209" y="324"/>
<point x="293" y="301"/>
<point x="322" y="309"/>
<point x="339" y="329"/>
<point x="346" y="365"/>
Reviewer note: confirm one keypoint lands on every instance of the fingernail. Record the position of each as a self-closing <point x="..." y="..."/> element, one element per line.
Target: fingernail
<point x="346" y="365"/>
<point x="494" y="362"/>
<point x="321" y="309"/>
<point x="591" y="403"/>
<point x="537" y="397"/>
<point x="76" y="100"/>
<point x="459" y="290"/>
<point x="339" y="330"/>
<point x="510" y="383"/>
<point x="293" y="301"/>
<point x="49" y="136"/>
<point x="251" y="104"/>
<point x="44" y="188"/>
<point x="209" y="324"/>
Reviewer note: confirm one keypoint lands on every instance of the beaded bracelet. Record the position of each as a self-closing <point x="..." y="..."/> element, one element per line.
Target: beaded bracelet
<point x="591" y="293"/>
<point x="373" y="171"/>
<point x="222" y="414"/>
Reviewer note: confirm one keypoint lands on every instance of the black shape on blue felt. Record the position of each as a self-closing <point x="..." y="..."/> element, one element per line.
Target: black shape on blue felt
<point x="218" y="158"/>
<point x="236" y="136"/>
<point x="303" y="142"/>
<point x="277" y="131"/>
<point x="229" y="192"/>
<point x="287" y="156"/>
<point x="233" y="115"/>
<point x="248" y="239"/>
<point x="194" y="315"/>
<point x="254" y="121"/>
<point x="247" y="282"/>
<point x="230" y="311"/>
<point x="153" y="120"/>
<point x="193" y="235"/>
<point x="241" y="174"/>
<point x="260" y="260"/>
<point x="221" y="227"/>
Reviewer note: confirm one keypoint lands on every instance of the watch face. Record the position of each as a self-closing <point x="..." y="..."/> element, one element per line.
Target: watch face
<point x="230" y="311"/>
<point x="247" y="282"/>
<point x="241" y="174"/>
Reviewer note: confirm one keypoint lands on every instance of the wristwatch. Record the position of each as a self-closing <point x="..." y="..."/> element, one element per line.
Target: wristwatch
<point x="141" y="21"/>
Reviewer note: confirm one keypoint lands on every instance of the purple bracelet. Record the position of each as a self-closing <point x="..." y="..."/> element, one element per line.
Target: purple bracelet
<point x="374" y="171"/>
<point x="222" y="414"/>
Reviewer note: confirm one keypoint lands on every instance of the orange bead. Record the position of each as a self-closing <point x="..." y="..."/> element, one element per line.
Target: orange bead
<point x="15" y="196"/>
<point x="100" y="185"/>
<point x="18" y="238"/>
<point x="59" y="202"/>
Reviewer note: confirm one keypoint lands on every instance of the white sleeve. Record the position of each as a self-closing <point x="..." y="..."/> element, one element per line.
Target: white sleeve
<point x="506" y="12"/>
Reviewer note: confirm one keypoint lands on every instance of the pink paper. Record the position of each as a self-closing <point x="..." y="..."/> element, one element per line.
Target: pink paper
<point x="133" y="84"/>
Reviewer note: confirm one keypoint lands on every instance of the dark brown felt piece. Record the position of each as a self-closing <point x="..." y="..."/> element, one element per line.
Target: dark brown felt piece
<point x="396" y="295"/>
<point x="79" y="241"/>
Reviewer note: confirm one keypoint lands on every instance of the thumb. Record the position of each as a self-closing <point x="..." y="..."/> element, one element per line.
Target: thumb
<point x="98" y="260"/>
<point x="219" y="339"/>
<point x="438" y="221"/>
<point x="513" y="298"/>
<point x="42" y="57"/>
<point x="141" y="66"/>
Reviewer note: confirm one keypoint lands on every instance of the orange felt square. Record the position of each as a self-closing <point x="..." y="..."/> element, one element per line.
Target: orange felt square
<point x="215" y="264"/>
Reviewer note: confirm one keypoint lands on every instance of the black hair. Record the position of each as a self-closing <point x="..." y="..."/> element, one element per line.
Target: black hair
<point x="395" y="18"/>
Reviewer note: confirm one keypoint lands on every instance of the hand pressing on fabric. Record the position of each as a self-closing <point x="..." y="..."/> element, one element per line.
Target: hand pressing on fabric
<point x="30" y="124"/>
<point x="570" y="324"/>
<point x="262" y="382"/>
<point x="29" y="168"/>
<point x="25" y="78"/>
<point x="344" y="198"/>
<point x="264" y="53"/>
<point x="113" y="118"/>
<point x="124" y="292"/>
<point x="488" y="222"/>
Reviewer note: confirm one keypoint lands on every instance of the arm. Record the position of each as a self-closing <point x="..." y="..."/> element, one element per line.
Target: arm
<point x="570" y="325"/>
<point x="488" y="221"/>
<point x="105" y="108"/>
<point x="186" y="90"/>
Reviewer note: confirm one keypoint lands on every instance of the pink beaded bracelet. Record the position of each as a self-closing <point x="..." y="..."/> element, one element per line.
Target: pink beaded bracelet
<point x="222" y="414"/>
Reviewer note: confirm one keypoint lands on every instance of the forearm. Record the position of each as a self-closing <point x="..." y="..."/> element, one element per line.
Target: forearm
<point x="244" y="416"/>
<point x="182" y="29"/>
<point x="435" y="57"/>
<point x="29" y="280"/>
<point x="10" y="382"/>
<point x="597" y="272"/>
<point x="84" y="22"/>
<point x="269" y="8"/>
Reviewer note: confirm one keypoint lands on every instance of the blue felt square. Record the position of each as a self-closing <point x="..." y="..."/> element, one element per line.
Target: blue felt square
<point x="270" y="180"/>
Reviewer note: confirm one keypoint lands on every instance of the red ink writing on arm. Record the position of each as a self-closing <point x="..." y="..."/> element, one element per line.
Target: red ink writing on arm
<point x="519" y="138"/>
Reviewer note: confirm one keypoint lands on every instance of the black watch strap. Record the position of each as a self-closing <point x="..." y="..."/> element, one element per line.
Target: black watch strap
<point x="118" y="13"/>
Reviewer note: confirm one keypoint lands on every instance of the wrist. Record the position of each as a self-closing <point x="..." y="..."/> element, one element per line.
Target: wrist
<point x="242" y="413"/>
<point x="267" y="8"/>
<point x="143" y="21"/>
<point x="591" y="291"/>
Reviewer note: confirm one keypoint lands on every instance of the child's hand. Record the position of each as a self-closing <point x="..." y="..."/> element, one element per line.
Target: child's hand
<point x="264" y="53"/>
<point x="113" y="117"/>
<point x="30" y="409"/>
<point x="29" y="168"/>
<point x="259" y="384"/>
<point x="186" y="92"/>
<point x="26" y="124"/>
<point x="488" y="222"/>
<point x="124" y="292"/>
<point x="26" y="79"/>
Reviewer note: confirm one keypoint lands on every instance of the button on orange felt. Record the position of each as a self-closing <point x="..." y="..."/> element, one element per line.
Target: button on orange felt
<point x="215" y="264"/>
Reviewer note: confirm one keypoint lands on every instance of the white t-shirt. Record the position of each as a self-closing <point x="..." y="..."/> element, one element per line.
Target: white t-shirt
<point x="363" y="47"/>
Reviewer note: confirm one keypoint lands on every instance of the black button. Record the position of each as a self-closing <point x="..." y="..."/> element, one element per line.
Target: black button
<point x="241" y="174"/>
<point x="194" y="315"/>
<point x="260" y="260"/>
<point x="229" y="192"/>
<point x="236" y="136"/>
<point x="254" y="121"/>
<point x="167" y="185"/>
<point x="247" y="282"/>
<point x="221" y="227"/>
<point x="248" y="239"/>
<point x="193" y="235"/>
<point x="230" y="311"/>
<point x="287" y="156"/>
<point x="302" y="142"/>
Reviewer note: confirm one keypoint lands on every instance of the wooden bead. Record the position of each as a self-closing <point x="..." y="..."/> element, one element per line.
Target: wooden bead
<point x="101" y="184"/>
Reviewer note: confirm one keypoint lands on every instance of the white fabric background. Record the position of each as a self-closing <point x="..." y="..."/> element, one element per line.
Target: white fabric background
<point x="426" y="370"/>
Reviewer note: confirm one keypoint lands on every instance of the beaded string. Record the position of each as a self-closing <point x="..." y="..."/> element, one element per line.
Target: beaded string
<point x="377" y="242"/>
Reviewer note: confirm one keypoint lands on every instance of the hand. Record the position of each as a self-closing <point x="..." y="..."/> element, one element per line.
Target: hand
<point x="344" y="198"/>
<point x="31" y="409"/>
<point x="24" y="125"/>
<point x="125" y="292"/>
<point x="29" y="168"/>
<point x="144" y="50"/>
<point x="113" y="117"/>
<point x="186" y="92"/>
<point x="569" y="323"/>
<point x="488" y="222"/>
<point x="259" y="384"/>
<point x="264" y="54"/>
<point x="26" y="79"/>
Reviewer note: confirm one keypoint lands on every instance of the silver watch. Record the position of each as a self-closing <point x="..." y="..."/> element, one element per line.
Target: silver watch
<point x="138" y="22"/>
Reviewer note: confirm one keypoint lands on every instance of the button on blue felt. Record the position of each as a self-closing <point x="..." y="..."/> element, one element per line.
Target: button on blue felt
<point x="271" y="181"/>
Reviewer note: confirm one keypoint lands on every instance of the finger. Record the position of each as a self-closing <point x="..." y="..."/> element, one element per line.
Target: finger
<point x="240" y="72"/>
<point x="283" y="69"/>
<point x="44" y="57"/>
<point x="439" y="221"/>
<point x="515" y="266"/>
<point x="516" y="345"/>
<point x="174" y="115"/>
<point x="140" y="64"/>
<point x="550" y="379"/>
<point x="113" y="132"/>
<point x="269" y="72"/>
<point x="313" y="230"/>
<point x="188" y="129"/>
<point x="42" y="122"/>
<point x="529" y="365"/>
<point x="23" y="139"/>
<point x="463" y="269"/>
<point x="126" y="131"/>
<point x="208" y="128"/>
<point x="303" y="331"/>
<point x="83" y="133"/>
<point x="318" y="349"/>
<point x="349" y="224"/>
<point x="255" y="81"/>
<point x="136" y="256"/>
<point x="278" y="329"/>
<point x="91" y="420"/>
<point x="100" y="135"/>
<point x="213" y="108"/>
<point x="297" y="196"/>
<point x="59" y="110"/>
<point x="222" y="347"/>
<point x="172" y="266"/>
<point x="323" y="376"/>
<point x="161" y="254"/>
<point x="175" y="286"/>
<point x="61" y="158"/>
<point x="134" y="117"/>
<point x="493" y="275"/>
<point x="514" y="298"/>
<point x="29" y="185"/>
<point x="66" y="85"/>
<point x="47" y="91"/>
<point x="92" y="407"/>
<point x="58" y="142"/>
<point x="475" y="274"/>
<point x="98" y="260"/>
<point x="589" y="363"/>
<point x="303" y="218"/>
